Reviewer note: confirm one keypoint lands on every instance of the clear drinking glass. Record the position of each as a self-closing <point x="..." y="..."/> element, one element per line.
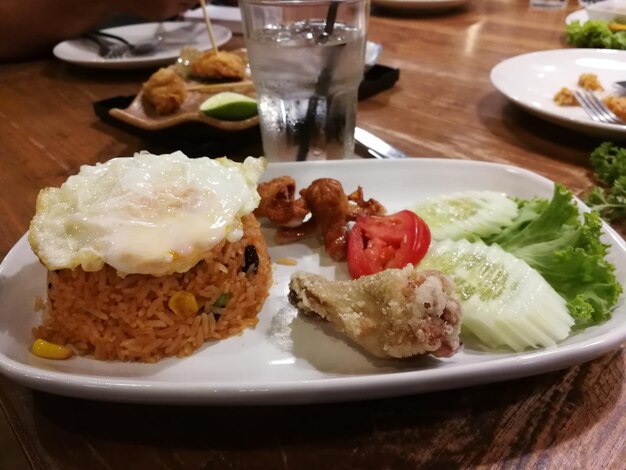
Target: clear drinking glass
<point x="306" y="59"/>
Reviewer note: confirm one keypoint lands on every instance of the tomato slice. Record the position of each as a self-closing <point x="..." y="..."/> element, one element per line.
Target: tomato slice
<point x="376" y="243"/>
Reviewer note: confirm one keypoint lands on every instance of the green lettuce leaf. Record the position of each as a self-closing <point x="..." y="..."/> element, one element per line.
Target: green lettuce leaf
<point x="594" y="33"/>
<point x="567" y="252"/>
<point x="609" y="164"/>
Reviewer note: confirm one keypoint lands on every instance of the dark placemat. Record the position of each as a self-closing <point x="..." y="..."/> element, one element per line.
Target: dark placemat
<point x="196" y="139"/>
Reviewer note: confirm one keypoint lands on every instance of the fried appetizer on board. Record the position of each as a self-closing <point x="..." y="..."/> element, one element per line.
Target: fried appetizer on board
<point x="392" y="314"/>
<point x="165" y="90"/>
<point x="219" y="65"/>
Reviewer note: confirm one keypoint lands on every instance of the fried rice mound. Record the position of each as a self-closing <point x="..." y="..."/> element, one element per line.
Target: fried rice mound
<point x="146" y="318"/>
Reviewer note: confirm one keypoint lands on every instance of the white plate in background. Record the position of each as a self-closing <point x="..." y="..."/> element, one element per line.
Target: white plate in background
<point x="229" y="17"/>
<point x="580" y="15"/>
<point x="531" y="81"/>
<point x="176" y="34"/>
<point x="287" y="359"/>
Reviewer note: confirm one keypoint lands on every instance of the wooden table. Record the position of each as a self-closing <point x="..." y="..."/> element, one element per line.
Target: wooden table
<point x="442" y="106"/>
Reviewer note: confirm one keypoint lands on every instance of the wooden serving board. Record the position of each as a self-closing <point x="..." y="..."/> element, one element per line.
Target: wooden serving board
<point x="141" y="115"/>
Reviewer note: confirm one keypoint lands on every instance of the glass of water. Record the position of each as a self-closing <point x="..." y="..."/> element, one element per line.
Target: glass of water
<point x="306" y="59"/>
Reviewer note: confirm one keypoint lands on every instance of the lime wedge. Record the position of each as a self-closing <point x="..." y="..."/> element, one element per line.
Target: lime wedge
<point x="229" y="106"/>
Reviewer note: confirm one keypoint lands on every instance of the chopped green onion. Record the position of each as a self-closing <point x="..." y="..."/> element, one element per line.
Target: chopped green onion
<point x="222" y="300"/>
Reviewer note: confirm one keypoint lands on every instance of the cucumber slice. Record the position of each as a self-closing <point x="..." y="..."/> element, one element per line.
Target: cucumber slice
<point x="461" y="215"/>
<point x="229" y="106"/>
<point x="506" y="303"/>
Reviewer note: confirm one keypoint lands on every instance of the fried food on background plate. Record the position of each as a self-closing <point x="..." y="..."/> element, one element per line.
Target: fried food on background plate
<point x="617" y="104"/>
<point x="392" y="314"/>
<point x="589" y="81"/>
<point x="565" y="97"/>
<point x="165" y="91"/>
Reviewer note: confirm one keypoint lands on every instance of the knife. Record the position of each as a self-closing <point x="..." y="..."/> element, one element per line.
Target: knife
<point x="376" y="146"/>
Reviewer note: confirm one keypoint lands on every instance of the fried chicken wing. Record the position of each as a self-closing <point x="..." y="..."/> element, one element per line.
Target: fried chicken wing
<point x="219" y="65"/>
<point x="165" y="90"/>
<point x="392" y="314"/>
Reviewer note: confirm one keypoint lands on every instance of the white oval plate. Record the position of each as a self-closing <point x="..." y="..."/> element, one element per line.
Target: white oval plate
<point x="176" y="34"/>
<point x="287" y="359"/>
<point x="531" y="81"/>
<point x="430" y="5"/>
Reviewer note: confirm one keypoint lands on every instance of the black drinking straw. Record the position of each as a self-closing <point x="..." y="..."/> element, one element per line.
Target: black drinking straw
<point x="322" y="85"/>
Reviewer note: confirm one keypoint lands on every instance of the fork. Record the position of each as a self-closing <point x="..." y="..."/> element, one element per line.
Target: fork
<point x="108" y="49"/>
<point x="595" y="108"/>
<point x="141" y="48"/>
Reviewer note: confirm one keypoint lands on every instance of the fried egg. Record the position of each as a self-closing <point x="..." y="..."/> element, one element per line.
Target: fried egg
<point x="146" y="214"/>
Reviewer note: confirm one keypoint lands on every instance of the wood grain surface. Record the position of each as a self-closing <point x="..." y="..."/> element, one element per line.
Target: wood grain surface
<point x="442" y="106"/>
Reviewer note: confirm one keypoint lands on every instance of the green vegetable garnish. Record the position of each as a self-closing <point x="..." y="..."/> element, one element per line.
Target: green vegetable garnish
<point x="229" y="106"/>
<point x="568" y="253"/>
<point x="537" y="275"/>
<point x="609" y="164"/>
<point x="222" y="300"/>
<point x="594" y="33"/>
<point x="506" y="303"/>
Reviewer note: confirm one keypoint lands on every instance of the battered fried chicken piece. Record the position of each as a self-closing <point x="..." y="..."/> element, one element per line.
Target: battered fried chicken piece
<point x="219" y="65"/>
<point x="278" y="202"/>
<point x="395" y="313"/>
<point x="165" y="90"/>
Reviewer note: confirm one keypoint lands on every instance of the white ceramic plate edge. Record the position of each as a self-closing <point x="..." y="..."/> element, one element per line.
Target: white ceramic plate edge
<point x="223" y="35"/>
<point x="587" y="125"/>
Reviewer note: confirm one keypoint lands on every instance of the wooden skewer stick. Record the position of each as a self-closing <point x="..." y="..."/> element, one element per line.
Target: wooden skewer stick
<point x="208" y="25"/>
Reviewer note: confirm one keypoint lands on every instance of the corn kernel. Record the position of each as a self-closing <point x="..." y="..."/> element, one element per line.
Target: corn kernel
<point x="183" y="303"/>
<point x="47" y="350"/>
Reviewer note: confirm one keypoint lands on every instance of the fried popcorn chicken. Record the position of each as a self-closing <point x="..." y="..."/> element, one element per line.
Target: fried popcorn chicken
<point x="330" y="208"/>
<point x="363" y="207"/>
<point x="278" y="202"/>
<point x="219" y="65"/>
<point x="392" y="314"/>
<point x="165" y="90"/>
